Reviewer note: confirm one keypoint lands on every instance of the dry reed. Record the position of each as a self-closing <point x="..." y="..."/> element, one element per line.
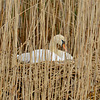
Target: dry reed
<point x="27" y="25"/>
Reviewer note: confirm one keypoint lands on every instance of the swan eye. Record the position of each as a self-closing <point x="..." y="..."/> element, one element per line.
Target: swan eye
<point x="63" y="42"/>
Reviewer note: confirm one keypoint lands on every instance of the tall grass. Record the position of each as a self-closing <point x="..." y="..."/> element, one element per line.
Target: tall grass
<point x="27" y="25"/>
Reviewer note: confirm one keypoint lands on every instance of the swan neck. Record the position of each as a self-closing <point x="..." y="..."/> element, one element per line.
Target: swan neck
<point x="53" y="48"/>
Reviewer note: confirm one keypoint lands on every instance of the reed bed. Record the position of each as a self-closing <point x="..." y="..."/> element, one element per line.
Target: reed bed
<point x="27" y="25"/>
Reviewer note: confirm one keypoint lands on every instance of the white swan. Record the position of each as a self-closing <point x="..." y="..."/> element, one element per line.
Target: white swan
<point x="53" y="54"/>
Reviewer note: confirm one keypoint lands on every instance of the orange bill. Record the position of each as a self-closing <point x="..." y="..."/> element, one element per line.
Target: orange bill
<point x="64" y="47"/>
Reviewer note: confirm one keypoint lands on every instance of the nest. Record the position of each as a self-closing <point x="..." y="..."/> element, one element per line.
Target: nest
<point x="49" y="80"/>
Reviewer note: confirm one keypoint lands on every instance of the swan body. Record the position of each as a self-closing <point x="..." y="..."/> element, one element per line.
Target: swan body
<point x="43" y="55"/>
<point x="53" y="54"/>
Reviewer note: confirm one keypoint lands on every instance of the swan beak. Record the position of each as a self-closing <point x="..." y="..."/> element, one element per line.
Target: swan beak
<point x="64" y="47"/>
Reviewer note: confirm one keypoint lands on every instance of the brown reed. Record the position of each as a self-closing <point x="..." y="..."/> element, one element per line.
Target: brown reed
<point x="27" y="25"/>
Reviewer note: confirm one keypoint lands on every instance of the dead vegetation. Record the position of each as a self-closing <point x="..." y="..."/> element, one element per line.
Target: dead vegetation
<point x="28" y="25"/>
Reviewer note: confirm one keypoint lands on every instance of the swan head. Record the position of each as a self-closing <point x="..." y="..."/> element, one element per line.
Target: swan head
<point x="57" y="39"/>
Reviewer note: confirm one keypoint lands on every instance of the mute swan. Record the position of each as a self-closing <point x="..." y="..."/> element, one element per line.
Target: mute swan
<point x="53" y="54"/>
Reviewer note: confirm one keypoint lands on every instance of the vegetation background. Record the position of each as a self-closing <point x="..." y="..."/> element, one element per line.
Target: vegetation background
<point x="27" y="25"/>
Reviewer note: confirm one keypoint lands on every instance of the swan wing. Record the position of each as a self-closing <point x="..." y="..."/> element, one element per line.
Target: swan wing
<point x="42" y="55"/>
<point x="25" y="57"/>
<point x="68" y="56"/>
